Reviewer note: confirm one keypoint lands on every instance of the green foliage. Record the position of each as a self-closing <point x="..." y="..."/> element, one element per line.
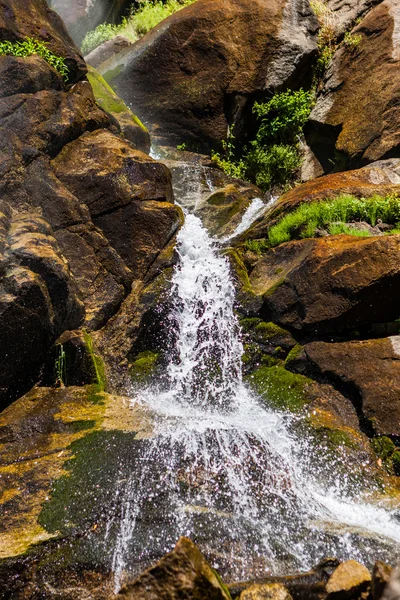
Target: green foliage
<point x="273" y="157"/>
<point x="283" y="117"/>
<point x="256" y="246"/>
<point x="307" y="218"/>
<point x="29" y="47"/>
<point x="343" y="228"/>
<point x="98" y="364"/>
<point x="352" y="40"/>
<point x="140" y="21"/>
<point x="181" y="146"/>
<point x="60" y="366"/>
<point x="102" y="33"/>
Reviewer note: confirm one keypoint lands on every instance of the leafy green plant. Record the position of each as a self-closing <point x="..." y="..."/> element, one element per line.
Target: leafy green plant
<point x="29" y="47"/>
<point x="352" y="40"/>
<point x="139" y="22"/>
<point x="273" y="157"/>
<point x="60" y="366"/>
<point x="181" y="146"/>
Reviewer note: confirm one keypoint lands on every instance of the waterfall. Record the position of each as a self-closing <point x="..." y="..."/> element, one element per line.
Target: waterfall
<point x="222" y="467"/>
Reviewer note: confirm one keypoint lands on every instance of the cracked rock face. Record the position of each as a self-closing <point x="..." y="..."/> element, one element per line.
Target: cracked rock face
<point x="356" y="118"/>
<point x="38" y="299"/>
<point x="211" y="59"/>
<point x="92" y="212"/>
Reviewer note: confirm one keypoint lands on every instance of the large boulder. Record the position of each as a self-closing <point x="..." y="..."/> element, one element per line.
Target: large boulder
<point x="38" y="300"/>
<point x="129" y="195"/>
<point x="20" y="19"/>
<point x="320" y="286"/>
<point x="212" y="59"/>
<point x="355" y="120"/>
<point x="369" y="370"/>
<point x="183" y="573"/>
<point x="61" y="455"/>
<point x="43" y="120"/>
<point x="81" y="16"/>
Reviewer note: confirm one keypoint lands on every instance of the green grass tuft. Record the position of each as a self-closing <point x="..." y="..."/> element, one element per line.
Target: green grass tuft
<point x="29" y="47"/>
<point x="333" y="216"/>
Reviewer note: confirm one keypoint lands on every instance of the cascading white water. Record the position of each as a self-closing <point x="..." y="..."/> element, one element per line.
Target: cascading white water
<point x="221" y="466"/>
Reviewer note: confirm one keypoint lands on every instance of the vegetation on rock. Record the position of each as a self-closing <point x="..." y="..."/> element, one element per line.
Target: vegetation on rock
<point x="140" y="21"/>
<point x="29" y="47"/>
<point x="333" y="217"/>
<point x="273" y="157"/>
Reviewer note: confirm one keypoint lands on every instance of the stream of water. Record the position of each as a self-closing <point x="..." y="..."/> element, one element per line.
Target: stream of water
<point x="222" y="467"/>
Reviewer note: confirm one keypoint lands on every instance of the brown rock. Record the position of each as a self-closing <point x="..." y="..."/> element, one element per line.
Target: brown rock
<point x="392" y="590"/>
<point x="381" y="178"/>
<point x="38" y="300"/>
<point x="357" y="112"/>
<point x="183" y="573"/>
<point x="107" y="50"/>
<point x="349" y="580"/>
<point x="331" y="284"/>
<point x="211" y="59"/>
<point x="266" y="591"/>
<point x="371" y="369"/>
<point x="345" y="14"/>
<point x="27" y="75"/>
<point x="20" y="19"/>
<point x="380" y="578"/>
<point x="129" y="195"/>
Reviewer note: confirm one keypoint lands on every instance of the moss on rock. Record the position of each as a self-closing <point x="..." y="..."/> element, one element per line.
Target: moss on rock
<point x="280" y="388"/>
<point x="144" y="365"/>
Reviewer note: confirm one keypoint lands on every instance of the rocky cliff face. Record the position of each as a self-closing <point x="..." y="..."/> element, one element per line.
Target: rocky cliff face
<point x="87" y="237"/>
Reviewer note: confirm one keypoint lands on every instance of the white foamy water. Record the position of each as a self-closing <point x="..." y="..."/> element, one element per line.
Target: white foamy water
<point x="223" y="468"/>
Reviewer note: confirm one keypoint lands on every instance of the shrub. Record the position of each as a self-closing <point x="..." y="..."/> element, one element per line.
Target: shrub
<point x="29" y="47"/>
<point x="149" y="14"/>
<point x="273" y="157"/>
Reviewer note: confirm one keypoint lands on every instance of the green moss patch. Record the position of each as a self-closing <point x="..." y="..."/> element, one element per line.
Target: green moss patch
<point x="107" y="98"/>
<point x="143" y="367"/>
<point x="83" y="496"/>
<point x="280" y="388"/>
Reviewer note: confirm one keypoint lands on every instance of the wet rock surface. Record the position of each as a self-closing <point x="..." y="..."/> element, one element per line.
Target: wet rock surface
<point x="182" y="573"/>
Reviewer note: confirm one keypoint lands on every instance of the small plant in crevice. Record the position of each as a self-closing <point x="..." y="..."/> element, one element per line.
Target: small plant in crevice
<point x="273" y="157"/>
<point x="327" y="37"/>
<point x="60" y="366"/>
<point x="352" y="40"/>
<point x="29" y="47"/>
